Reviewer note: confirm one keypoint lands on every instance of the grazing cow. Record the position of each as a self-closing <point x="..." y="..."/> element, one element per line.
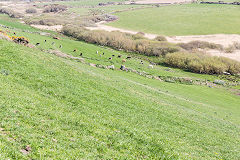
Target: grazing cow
<point x="110" y="58"/>
<point x="37" y="44"/>
<point x="103" y="53"/>
<point x="97" y="52"/>
<point x="119" y="56"/>
<point x="60" y="46"/>
<point x="74" y="50"/>
<point x="113" y="55"/>
<point x="45" y="40"/>
<point x="81" y="54"/>
<point x="129" y="57"/>
<point x="14" y="33"/>
<point x="124" y="60"/>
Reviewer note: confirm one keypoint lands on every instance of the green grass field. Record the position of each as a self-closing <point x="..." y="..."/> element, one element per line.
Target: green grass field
<point x="64" y="109"/>
<point x="191" y="19"/>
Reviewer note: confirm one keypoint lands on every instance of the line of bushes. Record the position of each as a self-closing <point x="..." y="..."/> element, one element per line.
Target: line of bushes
<point x="122" y="41"/>
<point x="202" y="63"/>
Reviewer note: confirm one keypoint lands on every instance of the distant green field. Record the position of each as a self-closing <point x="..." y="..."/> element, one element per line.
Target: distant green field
<point x="191" y="19"/>
<point x="64" y="109"/>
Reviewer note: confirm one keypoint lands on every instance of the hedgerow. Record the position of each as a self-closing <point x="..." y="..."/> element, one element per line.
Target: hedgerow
<point x="202" y="63"/>
<point x="122" y="41"/>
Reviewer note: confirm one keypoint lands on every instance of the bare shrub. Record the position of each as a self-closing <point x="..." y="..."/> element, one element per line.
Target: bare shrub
<point x="200" y="44"/>
<point x="55" y="8"/>
<point x="229" y="49"/>
<point x="10" y="13"/>
<point x="31" y="10"/>
<point x="232" y="48"/>
<point x="139" y="35"/>
<point x="160" y="38"/>
<point x="236" y="45"/>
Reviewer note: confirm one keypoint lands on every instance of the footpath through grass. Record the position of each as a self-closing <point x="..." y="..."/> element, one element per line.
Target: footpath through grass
<point x="189" y="19"/>
<point x="64" y="109"/>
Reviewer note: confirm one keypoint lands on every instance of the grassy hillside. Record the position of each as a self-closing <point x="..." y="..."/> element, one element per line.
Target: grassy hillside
<point x="62" y="108"/>
<point x="191" y="19"/>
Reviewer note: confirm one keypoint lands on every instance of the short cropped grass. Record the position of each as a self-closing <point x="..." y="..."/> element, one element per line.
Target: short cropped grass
<point x="190" y="19"/>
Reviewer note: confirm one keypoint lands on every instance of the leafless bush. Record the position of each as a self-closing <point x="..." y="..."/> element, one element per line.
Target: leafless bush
<point x="160" y="38"/>
<point x="55" y="8"/>
<point x="31" y="10"/>
<point x="10" y="13"/>
<point x="139" y="35"/>
<point x="232" y="48"/>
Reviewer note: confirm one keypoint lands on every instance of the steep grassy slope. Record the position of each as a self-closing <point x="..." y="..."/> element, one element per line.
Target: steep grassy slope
<point x="64" y="109"/>
<point x="190" y="19"/>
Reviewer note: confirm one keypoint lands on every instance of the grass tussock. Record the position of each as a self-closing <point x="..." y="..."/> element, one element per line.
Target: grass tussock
<point x="202" y="63"/>
<point x="122" y="41"/>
